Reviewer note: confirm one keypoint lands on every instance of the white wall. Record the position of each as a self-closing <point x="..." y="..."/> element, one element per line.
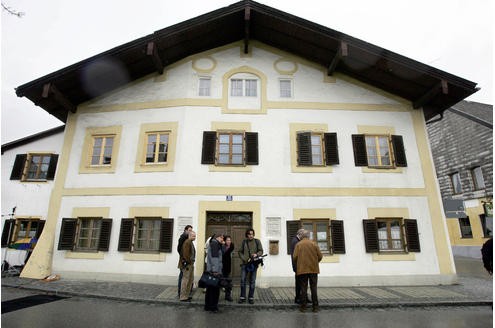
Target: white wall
<point x="274" y="169"/>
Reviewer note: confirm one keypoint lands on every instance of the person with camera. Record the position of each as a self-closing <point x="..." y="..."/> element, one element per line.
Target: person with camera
<point x="250" y="253"/>
<point x="186" y="265"/>
<point x="214" y="265"/>
<point x="307" y="256"/>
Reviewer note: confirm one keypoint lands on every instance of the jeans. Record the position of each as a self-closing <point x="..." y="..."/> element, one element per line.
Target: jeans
<point x="251" y="276"/>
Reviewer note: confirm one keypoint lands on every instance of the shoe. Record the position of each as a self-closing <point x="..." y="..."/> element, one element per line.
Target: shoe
<point x="309" y="301"/>
<point x="302" y="309"/>
<point x="187" y="300"/>
<point x="242" y="300"/>
<point x="251" y="301"/>
<point x="228" y="298"/>
<point x="316" y="309"/>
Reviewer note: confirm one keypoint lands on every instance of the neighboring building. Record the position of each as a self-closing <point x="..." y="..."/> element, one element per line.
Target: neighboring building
<point x="462" y="147"/>
<point x="28" y="170"/>
<point x="247" y="117"/>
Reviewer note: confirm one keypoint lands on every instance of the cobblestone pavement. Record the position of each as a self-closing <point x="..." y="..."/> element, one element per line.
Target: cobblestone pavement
<point x="471" y="290"/>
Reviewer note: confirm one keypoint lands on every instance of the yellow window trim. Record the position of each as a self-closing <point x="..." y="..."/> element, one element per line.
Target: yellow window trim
<point x="294" y="128"/>
<point x="85" y="164"/>
<point x="172" y="129"/>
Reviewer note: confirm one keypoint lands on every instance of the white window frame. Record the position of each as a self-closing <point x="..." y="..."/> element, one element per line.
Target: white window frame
<point x="285" y="92"/>
<point x="204" y="86"/>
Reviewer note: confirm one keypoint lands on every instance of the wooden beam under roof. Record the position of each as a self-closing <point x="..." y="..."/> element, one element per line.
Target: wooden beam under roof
<point x="342" y="51"/>
<point x="49" y="89"/>
<point x="247" y="20"/>
<point x="432" y="93"/>
<point x="152" y="50"/>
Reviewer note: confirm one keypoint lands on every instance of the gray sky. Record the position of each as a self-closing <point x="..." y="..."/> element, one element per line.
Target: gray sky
<point x="451" y="35"/>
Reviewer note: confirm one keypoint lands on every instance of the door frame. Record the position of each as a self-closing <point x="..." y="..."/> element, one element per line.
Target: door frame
<point x="222" y="206"/>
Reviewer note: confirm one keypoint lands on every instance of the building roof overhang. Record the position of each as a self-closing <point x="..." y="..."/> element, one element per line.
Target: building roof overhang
<point x="424" y="86"/>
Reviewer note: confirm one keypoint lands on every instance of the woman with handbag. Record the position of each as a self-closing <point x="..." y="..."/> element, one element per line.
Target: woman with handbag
<point x="214" y="267"/>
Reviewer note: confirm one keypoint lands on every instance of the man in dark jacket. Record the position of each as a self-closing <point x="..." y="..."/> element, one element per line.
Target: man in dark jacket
<point x="487" y="255"/>
<point x="293" y="243"/>
<point x="186" y="265"/>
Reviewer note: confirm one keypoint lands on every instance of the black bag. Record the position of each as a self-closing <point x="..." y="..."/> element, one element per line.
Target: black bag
<point x="208" y="280"/>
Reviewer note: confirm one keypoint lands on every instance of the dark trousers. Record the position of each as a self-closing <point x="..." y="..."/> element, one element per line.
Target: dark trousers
<point x="179" y="283"/>
<point x="313" y="285"/>
<point x="211" y="298"/>
<point x="298" y="289"/>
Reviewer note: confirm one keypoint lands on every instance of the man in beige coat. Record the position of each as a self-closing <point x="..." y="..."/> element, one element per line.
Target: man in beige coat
<point x="186" y="265"/>
<point x="307" y="257"/>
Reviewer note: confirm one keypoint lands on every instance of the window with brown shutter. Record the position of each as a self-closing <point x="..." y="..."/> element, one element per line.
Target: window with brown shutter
<point x="230" y="148"/>
<point x="34" y="167"/>
<point x="8" y="230"/>
<point x="338" y="238"/>
<point x="379" y="151"/>
<point x="166" y="230"/>
<point x="125" y="236"/>
<point x="292" y="227"/>
<point x="105" y="231"/>
<point x="85" y="234"/>
<point x="146" y="235"/>
<point x="317" y="149"/>
<point x="67" y="234"/>
<point x="389" y="235"/>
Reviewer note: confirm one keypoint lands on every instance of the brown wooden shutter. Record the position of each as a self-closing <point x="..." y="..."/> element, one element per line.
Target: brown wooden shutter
<point x="52" y="167"/>
<point x="338" y="238"/>
<point x="331" y="149"/>
<point x="18" y="169"/>
<point x="292" y="227"/>
<point x="412" y="235"/>
<point x="8" y="230"/>
<point x="371" y="236"/>
<point x="304" y="155"/>
<point x="359" y="146"/>
<point x="399" y="151"/>
<point x="166" y="231"/>
<point x="39" y="230"/>
<point x="125" y="237"/>
<point x="105" y="231"/>
<point x="209" y="147"/>
<point x="252" y="148"/>
<point x="67" y="234"/>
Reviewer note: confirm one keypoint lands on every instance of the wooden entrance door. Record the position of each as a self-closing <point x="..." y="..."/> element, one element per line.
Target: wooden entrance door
<point x="234" y="224"/>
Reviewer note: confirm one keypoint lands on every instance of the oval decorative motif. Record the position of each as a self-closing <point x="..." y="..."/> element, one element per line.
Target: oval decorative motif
<point x="285" y="66"/>
<point x="204" y="64"/>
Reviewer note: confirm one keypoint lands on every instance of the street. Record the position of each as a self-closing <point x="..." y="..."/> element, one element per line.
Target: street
<point x="90" y="312"/>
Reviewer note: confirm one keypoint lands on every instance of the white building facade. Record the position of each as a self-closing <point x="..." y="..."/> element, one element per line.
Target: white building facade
<point x="271" y="192"/>
<point x="246" y="117"/>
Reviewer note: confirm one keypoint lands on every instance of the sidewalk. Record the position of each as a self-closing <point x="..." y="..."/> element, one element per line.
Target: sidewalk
<point x="474" y="288"/>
